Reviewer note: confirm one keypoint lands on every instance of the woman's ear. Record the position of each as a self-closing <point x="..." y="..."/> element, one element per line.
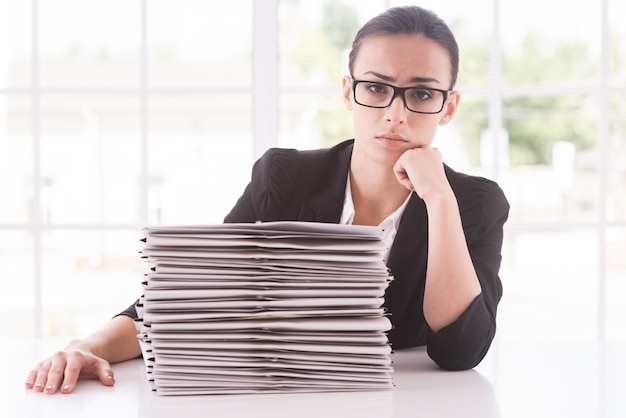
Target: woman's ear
<point x="449" y="109"/>
<point x="346" y="85"/>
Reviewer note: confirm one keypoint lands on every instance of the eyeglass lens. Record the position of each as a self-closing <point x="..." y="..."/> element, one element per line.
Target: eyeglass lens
<point x="417" y="99"/>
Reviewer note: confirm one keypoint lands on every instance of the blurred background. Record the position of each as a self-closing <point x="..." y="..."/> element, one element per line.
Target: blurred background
<point x="122" y="113"/>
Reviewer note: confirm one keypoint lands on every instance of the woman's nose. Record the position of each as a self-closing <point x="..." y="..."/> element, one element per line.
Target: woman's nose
<point x="396" y="112"/>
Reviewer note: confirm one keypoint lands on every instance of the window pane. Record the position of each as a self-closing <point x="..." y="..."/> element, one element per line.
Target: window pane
<point x="550" y="281"/>
<point x="617" y="46"/>
<point x="199" y="43"/>
<point x="460" y="141"/>
<point x="16" y="158"/>
<point x="315" y="38"/>
<point x="89" y="44"/>
<point x="17" y="299"/>
<point x="200" y="156"/>
<point x="308" y="121"/>
<point x="553" y="154"/>
<point x="91" y="159"/>
<point x="616" y="283"/>
<point x="540" y="42"/>
<point x="87" y="278"/>
<point x="617" y="159"/>
<point x="15" y="43"/>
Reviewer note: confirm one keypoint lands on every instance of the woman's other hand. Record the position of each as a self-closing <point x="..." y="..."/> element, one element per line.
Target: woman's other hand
<point x="63" y="368"/>
<point x="89" y="357"/>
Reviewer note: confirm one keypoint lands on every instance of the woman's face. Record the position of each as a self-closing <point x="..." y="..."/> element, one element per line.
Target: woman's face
<point x="402" y="61"/>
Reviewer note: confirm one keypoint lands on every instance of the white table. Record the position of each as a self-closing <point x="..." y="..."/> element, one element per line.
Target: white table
<point x="530" y="380"/>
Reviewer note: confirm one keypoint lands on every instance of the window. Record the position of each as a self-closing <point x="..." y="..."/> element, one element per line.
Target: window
<point x="118" y="115"/>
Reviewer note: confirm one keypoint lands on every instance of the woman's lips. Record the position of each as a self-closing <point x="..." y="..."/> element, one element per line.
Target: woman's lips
<point x="391" y="139"/>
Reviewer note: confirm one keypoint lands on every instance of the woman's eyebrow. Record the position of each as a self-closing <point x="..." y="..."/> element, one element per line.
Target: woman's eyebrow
<point x="381" y="76"/>
<point x="411" y="80"/>
<point x="423" y="80"/>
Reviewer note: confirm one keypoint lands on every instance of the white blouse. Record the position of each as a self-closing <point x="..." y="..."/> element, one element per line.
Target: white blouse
<point x="389" y="225"/>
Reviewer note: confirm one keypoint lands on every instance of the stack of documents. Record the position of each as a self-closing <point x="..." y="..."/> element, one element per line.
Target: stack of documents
<point x="265" y="307"/>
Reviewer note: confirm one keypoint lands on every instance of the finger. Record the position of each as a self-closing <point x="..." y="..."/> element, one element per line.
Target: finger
<point x="30" y="379"/>
<point x="41" y="376"/>
<point x="55" y="373"/>
<point x="72" y="372"/>
<point x="407" y="184"/>
<point x="105" y="373"/>
<point x="402" y="176"/>
<point x="399" y="169"/>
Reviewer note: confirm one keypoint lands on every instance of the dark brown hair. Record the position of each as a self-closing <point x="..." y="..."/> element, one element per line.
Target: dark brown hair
<point x="410" y="20"/>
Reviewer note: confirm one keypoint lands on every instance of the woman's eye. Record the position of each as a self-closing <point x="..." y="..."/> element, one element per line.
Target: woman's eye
<point x="421" y="94"/>
<point x="377" y="88"/>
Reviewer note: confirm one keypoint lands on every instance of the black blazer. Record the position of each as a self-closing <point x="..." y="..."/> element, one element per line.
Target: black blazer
<point x="288" y="184"/>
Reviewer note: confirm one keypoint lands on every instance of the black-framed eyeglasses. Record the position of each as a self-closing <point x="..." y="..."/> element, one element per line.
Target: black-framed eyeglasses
<point x="416" y="99"/>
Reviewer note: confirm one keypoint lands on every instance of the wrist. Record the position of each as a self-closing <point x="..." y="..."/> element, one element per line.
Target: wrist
<point x="86" y="345"/>
<point x="441" y="198"/>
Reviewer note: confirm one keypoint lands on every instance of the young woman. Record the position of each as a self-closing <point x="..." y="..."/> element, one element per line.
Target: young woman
<point x="443" y="229"/>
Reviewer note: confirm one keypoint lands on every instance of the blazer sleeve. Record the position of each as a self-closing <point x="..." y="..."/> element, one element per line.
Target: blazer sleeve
<point x="131" y="311"/>
<point x="292" y="185"/>
<point x="463" y="344"/>
<point x="271" y="189"/>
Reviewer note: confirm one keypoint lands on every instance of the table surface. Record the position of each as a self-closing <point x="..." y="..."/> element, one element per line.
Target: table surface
<point x="516" y="379"/>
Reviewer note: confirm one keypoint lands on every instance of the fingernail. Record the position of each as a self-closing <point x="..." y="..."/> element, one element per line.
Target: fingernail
<point x="29" y="382"/>
<point x="49" y="387"/>
<point x="66" y="387"/>
<point x="39" y="385"/>
<point x="109" y="376"/>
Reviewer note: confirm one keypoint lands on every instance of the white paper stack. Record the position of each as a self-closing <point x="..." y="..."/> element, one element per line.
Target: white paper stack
<point x="265" y="307"/>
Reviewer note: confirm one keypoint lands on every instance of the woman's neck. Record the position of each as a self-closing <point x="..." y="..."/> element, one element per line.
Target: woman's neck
<point x="376" y="193"/>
